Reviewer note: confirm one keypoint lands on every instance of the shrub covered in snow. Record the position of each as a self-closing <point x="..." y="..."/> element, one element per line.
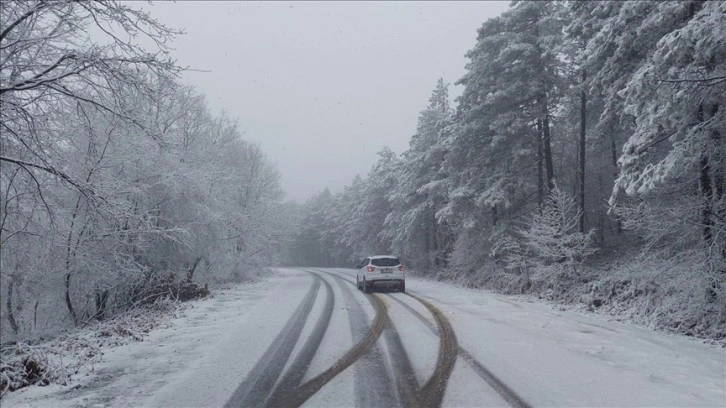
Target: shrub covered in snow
<point x="58" y="360"/>
<point x="547" y="252"/>
<point x="661" y="291"/>
<point x="552" y="239"/>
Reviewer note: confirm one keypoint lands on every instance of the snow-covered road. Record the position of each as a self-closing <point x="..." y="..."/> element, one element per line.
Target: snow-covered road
<point x="308" y="337"/>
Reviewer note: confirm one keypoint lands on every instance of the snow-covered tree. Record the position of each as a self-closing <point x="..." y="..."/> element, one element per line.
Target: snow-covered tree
<point x="675" y="97"/>
<point x="412" y="226"/>
<point x="62" y="104"/>
<point x="635" y="88"/>
<point x="552" y="237"/>
<point x="113" y="176"/>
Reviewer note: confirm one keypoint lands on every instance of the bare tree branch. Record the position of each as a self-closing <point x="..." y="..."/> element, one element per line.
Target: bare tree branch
<point x="713" y="80"/>
<point x="49" y="169"/>
<point x="41" y="5"/>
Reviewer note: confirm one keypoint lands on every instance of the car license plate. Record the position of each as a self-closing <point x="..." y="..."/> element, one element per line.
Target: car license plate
<point x="386" y="270"/>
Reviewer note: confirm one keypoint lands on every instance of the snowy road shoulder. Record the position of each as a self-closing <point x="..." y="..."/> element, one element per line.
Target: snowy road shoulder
<point x="138" y="373"/>
<point x="567" y="358"/>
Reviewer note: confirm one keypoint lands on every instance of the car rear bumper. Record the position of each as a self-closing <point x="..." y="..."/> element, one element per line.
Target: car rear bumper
<point x="393" y="277"/>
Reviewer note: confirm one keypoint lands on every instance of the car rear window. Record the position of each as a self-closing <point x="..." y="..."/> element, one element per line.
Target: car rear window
<point x="385" y="261"/>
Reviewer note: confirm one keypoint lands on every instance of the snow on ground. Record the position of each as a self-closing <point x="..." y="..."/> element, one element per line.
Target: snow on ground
<point x="418" y="341"/>
<point x="554" y="357"/>
<point x="132" y="375"/>
<point x="550" y="357"/>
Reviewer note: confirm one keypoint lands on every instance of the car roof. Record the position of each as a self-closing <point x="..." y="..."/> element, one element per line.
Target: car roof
<point x="382" y="256"/>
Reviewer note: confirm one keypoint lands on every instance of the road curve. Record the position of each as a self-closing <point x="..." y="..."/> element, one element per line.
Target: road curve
<point x="253" y="390"/>
<point x="287" y="386"/>
<point x="312" y="386"/>
<point x="509" y="395"/>
<point x="265" y="385"/>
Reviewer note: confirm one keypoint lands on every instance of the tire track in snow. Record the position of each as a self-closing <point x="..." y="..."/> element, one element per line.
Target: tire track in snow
<point x="370" y="373"/>
<point x="259" y="381"/>
<point x="299" y="366"/>
<point x="406" y="383"/>
<point x="309" y="388"/>
<point x="432" y="393"/>
<point x="511" y="397"/>
<point x="405" y="379"/>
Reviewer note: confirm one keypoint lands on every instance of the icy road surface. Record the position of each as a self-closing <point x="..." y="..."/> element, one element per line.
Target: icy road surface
<point x="309" y="337"/>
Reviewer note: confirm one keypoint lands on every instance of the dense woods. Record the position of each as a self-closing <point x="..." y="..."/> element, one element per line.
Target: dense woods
<point x="584" y="162"/>
<point x="116" y="180"/>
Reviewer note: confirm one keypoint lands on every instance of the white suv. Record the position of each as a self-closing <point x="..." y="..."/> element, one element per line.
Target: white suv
<point x="380" y="270"/>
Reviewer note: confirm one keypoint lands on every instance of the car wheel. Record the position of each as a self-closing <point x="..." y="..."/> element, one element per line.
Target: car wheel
<point x="357" y="283"/>
<point x="402" y="287"/>
<point x="367" y="288"/>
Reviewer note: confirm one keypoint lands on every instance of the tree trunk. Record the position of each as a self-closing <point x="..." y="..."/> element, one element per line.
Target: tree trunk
<point x="427" y="246"/>
<point x="583" y="128"/>
<point x="35" y="315"/>
<point x="614" y="157"/>
<point x="711" y="181"/>
<point x="547" y="146"/>
<point x="719" y="180"/>
<point x="69" y="304"/>
<point x="435" y="239"/>
<point x="69" y="256"/>
<point x="9" y="304"/>
<point x="704" y="180"/>
<point x="190" y="271"/>
<point x="704" y="183"/>
<point x="540" y="165"/>
<point x="101" y="301"/>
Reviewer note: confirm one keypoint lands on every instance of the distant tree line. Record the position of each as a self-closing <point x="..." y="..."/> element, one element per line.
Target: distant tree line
<point x="584" y="161"/>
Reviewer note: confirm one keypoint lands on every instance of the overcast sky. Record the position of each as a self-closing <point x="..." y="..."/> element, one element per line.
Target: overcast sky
<point x="323" y="86"/>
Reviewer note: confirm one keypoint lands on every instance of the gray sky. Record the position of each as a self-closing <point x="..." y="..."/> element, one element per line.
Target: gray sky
<point x="323" y="86"/>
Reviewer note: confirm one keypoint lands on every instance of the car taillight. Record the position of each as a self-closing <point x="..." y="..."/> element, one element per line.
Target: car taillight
<point x="400" y="268"/>
<point x="371" y="268"/>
